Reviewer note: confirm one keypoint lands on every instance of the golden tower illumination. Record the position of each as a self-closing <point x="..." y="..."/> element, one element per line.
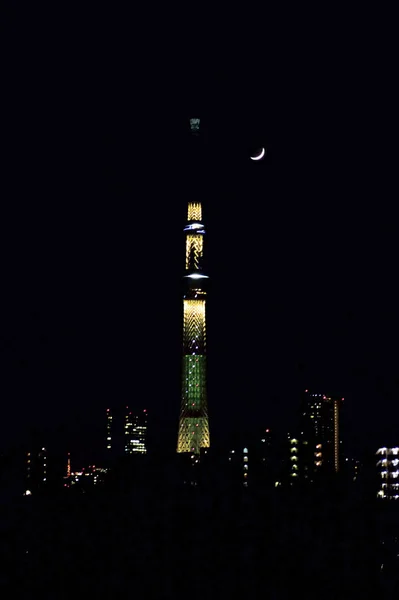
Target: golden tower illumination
<point x="193" y="423"/>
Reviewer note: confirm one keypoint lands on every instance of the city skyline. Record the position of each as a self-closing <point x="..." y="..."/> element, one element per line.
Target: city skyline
<point x="305" y="242"/>
<point x="103" y="221"/>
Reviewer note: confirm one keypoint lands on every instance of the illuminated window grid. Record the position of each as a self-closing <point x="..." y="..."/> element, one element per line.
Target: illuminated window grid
<point x="194" y="211"/>
<point x="135" y="440"/>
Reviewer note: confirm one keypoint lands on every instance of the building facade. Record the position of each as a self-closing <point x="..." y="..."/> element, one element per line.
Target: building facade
<point x="36" y="471"/>
<point x="125" y="432"/>
<point x="388" y="473"/>
<point x="316" y="446"/>
<point x="135" y="432"/>
<point x="109" y="429"/>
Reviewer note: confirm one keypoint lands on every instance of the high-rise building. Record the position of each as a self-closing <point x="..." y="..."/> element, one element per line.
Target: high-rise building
<point x="319" y="435"/>
<point x="388" y="470"/>
<point x="238" y="466"/>
<point x="265" y="450"/>
<point x="193" y="431"/>
<point x="36" y="470"/>
<point x="135" y="432"/>
<point x="109" y="430"/>
<point x="264" y="459"/>
<point x="252" y="459"/>
<point x="125" y="432"/>
<point x="294" y="463"/>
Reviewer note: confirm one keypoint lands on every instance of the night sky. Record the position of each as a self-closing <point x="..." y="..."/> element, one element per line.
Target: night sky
<point x="301" y="248"/>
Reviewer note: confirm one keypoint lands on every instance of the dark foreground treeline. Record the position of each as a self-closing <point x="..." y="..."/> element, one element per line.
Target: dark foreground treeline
<point x="160" y="541"/>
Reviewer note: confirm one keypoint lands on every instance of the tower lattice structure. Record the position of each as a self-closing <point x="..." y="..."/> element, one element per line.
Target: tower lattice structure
<point x="193" y="423"/>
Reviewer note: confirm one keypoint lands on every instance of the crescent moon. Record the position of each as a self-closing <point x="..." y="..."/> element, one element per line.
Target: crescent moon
<point x="261" y="155"/>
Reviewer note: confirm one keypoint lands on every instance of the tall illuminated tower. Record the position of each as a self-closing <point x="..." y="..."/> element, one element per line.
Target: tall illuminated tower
<point x="193" y="423"/>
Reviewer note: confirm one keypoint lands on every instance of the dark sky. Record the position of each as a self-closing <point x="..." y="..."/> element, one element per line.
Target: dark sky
<point x="301" y="247"/>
